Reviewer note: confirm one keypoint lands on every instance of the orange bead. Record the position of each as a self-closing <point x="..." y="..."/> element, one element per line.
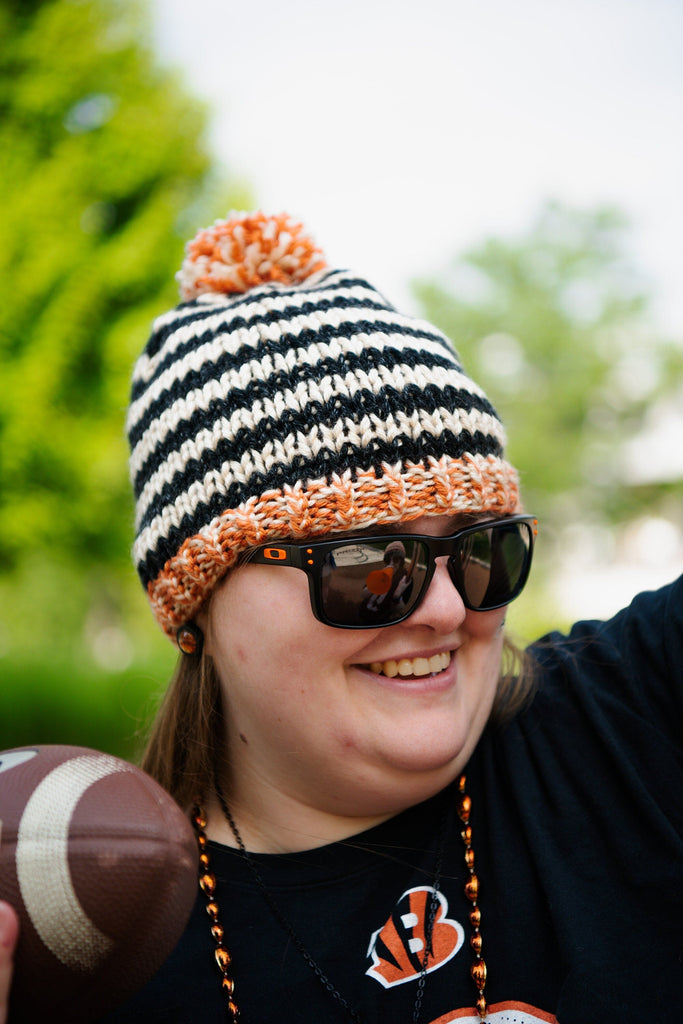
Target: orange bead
<point x="475" y="917"/>
<point x="472" y="888"/>
<point x="469" y="857"/>
<point x="467" y="835"/>
<point x="223" y="958"/>
<point x="228" y="985"/>
<point x="482" y="1008"/>
<point x="200" y="818"/>
<point x="204" y="860"/>
<point x="478" y="972"/>
<point x="217" y="932"/>
<point x="207" y="883"/>
<point x="212" y="910"/>
<point x="476" y="943"/>
<point x="464" y="808"/>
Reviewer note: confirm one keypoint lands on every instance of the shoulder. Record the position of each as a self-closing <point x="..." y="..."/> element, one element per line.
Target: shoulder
<point x="636" y="655"/>
<point x="604" y="727"/>
<point x="608" y="701"/>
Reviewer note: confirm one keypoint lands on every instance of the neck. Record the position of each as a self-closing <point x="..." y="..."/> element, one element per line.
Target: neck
<point x="284" y="827"/>
<point x="274" y="819"/>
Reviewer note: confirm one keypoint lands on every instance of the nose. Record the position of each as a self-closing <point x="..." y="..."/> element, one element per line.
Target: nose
<point x="441" y="608"/>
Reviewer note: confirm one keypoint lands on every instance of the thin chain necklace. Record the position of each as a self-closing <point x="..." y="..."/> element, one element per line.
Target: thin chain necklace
<point x="208" y="885"/>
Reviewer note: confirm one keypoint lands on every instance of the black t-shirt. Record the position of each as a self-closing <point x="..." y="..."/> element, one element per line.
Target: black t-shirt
<point x="577" y="830"/>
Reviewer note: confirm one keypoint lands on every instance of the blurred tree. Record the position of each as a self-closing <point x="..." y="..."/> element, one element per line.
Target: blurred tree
<point x="104" y="173"/>
<point x="555" y="326"/>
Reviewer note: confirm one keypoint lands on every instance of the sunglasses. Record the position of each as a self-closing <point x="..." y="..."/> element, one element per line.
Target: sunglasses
<point x="365" y="582"/>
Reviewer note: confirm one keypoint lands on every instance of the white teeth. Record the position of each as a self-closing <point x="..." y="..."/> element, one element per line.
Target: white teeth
<point x="412" y="666"/>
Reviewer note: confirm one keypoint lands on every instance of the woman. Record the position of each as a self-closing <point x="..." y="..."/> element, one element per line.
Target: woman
<point x="391" y="827"/>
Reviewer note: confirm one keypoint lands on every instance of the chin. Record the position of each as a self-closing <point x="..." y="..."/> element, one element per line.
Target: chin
<point x="433" y="750"/>
<point x="431" y="762"/>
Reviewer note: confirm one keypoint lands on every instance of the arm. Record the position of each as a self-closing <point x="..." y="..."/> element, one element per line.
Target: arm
<point x="9" y="930"/>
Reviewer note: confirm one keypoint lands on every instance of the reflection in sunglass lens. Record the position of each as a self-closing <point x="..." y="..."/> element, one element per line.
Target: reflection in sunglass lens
<point x="378" y="582"/>
<point x="490" y="565"/>
<point x="364" y="583"/>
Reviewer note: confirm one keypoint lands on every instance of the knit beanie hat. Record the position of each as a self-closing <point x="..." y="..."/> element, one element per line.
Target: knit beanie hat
<point x="283" y="399"/>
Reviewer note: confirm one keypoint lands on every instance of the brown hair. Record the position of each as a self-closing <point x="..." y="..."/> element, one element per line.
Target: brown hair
<point x="517" y="683"/>
<point x="187" y="738"/>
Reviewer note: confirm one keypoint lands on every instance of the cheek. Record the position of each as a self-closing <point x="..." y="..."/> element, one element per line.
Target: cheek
<point x="240" y="655"/>
<point x="261" y="627"/>
<point x="253" y="608"/>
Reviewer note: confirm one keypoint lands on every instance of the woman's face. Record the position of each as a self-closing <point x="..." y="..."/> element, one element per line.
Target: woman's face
<point x="357" y="723"/>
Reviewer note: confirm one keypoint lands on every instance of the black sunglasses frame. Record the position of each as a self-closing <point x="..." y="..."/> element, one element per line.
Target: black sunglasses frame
<point x="310" y="559"/>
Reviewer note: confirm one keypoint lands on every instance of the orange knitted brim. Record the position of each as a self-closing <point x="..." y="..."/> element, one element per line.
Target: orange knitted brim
<point x="447" y="486"/>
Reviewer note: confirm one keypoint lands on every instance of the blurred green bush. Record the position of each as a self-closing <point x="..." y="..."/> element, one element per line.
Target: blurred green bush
<point x="105" y="172"/>
<point x="63" y="702"/>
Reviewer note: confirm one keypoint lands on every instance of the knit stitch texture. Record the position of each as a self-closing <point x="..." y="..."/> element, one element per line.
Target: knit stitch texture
<point x="297" y="409"/>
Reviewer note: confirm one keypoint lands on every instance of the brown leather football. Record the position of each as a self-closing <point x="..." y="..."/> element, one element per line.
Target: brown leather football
<point x="100" y="864"/>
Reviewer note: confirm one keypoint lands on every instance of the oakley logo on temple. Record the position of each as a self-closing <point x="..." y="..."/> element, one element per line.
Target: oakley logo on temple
<point x="275" y="554"/>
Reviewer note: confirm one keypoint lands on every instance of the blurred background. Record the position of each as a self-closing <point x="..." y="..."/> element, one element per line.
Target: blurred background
<point x="512" y="172"/>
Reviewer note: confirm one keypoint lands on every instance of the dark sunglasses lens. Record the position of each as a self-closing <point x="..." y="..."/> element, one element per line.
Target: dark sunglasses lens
<point x="492" y="565"/>
<point x="367" y="583"/>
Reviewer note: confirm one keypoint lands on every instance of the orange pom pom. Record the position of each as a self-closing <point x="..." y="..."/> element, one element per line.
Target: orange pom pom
<point x="245" y="250"/>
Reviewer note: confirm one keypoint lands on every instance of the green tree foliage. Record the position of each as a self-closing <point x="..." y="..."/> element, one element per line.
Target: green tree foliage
<point x="104" y="173"/>
<point x="555" y="326"/>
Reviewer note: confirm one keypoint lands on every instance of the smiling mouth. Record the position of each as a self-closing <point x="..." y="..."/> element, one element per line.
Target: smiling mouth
<point x="412" y="666"/>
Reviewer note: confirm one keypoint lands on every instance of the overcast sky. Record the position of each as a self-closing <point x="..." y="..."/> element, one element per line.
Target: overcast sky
<point x="401" y="133"/>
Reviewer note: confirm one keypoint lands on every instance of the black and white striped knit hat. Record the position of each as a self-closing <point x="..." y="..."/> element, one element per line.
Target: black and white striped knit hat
<point x="283" y="399"/>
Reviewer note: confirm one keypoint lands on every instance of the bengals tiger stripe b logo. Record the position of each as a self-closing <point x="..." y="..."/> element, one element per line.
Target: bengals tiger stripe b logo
<point x="398" y="948"/>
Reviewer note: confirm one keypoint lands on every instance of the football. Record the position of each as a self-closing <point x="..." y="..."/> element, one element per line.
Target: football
<point x="101" y="866"/>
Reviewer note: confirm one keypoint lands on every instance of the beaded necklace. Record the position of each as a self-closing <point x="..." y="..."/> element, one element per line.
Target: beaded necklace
<point x="208" y="885"/>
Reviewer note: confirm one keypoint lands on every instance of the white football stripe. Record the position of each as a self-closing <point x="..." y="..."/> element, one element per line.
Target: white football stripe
<point x="43" y="866"/>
